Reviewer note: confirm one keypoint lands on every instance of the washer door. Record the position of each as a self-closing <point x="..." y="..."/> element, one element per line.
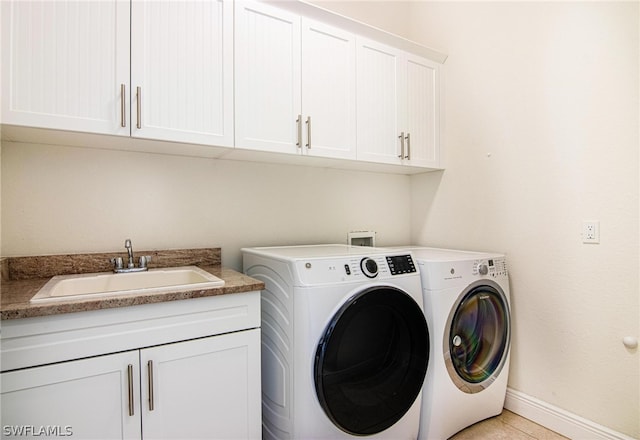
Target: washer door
<point x="476" y="340"/>
<point x="371" y="361"/>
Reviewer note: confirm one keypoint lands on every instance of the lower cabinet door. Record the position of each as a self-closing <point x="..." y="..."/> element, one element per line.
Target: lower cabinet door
<point x="96" y="398"/>
<point x="203" y="389"/>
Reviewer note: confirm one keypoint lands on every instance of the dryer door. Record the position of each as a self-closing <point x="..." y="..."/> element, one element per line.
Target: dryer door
<point x="476" y="340"/>
<point x="371" y="360"/>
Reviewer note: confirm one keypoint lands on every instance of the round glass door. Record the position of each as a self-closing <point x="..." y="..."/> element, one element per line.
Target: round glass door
<point x="371" y="360"/>
<point x="477" y="337"/>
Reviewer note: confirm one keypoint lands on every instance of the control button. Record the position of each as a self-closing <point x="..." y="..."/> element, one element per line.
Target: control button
<point x="369" y="267"/>
<point x="347" y="269"/>
<point x="483" y="269"/>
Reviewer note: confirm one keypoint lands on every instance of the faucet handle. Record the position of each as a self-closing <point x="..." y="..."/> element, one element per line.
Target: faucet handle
<point x="144" y="260"/>
<point x="117" y="262"/>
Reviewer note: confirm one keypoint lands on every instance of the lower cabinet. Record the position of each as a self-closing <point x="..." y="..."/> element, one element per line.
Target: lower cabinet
<point x="203" y="389"/>
<point x="85" y="399"/>
<point x="207" y="388"/>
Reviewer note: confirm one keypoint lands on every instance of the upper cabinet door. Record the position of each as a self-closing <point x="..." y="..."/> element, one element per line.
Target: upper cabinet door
<point x="328" y="90"/>
<point x="398" y="107"/>
<point x="267" y="42"/>
<point x="295" y="84"/>
<point x="65" y="65"/>
<point x="422" y="112"/>
<point x="379" y="102"/>
<point x="182" y="71"/>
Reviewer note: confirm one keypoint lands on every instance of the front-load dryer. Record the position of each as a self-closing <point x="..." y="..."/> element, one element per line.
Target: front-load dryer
<point x="466" y="301"/>
<point x="345" y="344"/>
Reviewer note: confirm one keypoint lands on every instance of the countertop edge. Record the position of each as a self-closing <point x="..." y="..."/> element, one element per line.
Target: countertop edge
<point x="17" y="294"/>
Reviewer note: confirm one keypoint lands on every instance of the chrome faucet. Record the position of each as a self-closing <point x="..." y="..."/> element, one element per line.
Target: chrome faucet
<point x="118" y="264"/>
<point x="129" y="248"/>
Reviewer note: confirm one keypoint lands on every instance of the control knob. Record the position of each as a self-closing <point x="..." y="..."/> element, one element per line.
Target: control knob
<point x="369" y="267"/>
<point x="483" y="269"/>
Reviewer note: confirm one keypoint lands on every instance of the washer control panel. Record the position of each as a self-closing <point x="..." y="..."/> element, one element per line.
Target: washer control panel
<point x="493" y="267"/>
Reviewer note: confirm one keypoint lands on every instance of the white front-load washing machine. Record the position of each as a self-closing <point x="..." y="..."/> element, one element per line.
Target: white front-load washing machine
<point x="345" y="344"/>
<point x="466" y="301"/>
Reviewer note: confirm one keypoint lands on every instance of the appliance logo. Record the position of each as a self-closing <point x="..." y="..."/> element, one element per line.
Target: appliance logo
<point x="453" y="275"/>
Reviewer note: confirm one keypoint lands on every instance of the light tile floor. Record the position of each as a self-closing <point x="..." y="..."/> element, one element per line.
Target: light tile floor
<point x="507" y="426"/>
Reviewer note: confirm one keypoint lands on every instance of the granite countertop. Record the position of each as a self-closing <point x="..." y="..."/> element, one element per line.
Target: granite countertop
<point x="24" y="276"/>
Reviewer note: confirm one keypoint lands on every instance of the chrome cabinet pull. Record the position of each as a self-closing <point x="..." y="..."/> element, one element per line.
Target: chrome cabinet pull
<point x="401" y="155"/>
<point x="123" y="108"/>
<point x="150" y="382"/>
<point x="299" y="126"/>
<point x="308" y="132"/>
<point x="130" y="379"/>
<point x="408" y="138"/>
<point x="138" y="107"/>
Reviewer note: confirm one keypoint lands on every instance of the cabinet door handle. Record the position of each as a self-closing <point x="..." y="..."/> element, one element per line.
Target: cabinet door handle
<point x="299" y="127"/>
<point x="123" y="108"/>
<point x="408" y="138"/>
<point x="308" y="132"/>
<point x="138" y="107"/>
<point x="401" y="155"/>
<point x="150" y="382"/>
<point x="130" y="380"/>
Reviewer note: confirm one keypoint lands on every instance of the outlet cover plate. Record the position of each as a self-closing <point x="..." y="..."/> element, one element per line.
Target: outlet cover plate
<point x="591" y="231"/>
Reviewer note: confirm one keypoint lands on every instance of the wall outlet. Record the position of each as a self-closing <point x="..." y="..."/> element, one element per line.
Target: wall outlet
<point x="591" y="232"/>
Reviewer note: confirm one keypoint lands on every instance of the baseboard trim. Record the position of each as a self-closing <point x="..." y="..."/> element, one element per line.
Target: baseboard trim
<point x="558" y="420"/>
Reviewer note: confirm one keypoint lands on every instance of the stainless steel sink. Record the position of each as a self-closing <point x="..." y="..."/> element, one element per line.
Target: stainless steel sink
<point x="106" y="284"/>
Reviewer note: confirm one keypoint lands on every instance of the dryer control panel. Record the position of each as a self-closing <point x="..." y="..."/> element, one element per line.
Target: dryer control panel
<point x="401" y="264"/>
<point x="355" y="268"/>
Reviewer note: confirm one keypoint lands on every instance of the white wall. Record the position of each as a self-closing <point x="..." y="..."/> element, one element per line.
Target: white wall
<point x="67" y="199"/>
<point x="542" y="133"/>
<point x="389" y="15"/>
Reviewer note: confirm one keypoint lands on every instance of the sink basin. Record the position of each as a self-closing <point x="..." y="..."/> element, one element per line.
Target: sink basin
<point x="92" y="285"/>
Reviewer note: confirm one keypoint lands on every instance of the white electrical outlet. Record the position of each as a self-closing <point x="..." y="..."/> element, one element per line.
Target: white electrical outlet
<point x="591" y="232"/>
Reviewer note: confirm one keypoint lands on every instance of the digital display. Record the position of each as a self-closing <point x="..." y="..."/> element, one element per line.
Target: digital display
<point x="401" y="264"/>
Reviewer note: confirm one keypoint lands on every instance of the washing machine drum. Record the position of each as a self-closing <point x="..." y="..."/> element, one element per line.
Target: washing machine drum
<point x="371" y="361"/>
<point x="476" y="340"/>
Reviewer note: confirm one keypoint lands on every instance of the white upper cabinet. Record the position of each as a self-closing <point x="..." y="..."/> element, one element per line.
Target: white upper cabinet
<point x="398" y="106"/>
<point x="261" y="76"/>
<point x="267" y="51"/>
<point x="65" y="65"/>
<point x="182" y="71"/>
<point x="328" y="90"/>
<point x="379" y="102"/>
<point x="422" y="112"/>
<point x="295" y="84"/>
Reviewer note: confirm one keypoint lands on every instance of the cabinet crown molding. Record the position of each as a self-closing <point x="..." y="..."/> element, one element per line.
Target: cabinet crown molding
<point x="321" y="14"/>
